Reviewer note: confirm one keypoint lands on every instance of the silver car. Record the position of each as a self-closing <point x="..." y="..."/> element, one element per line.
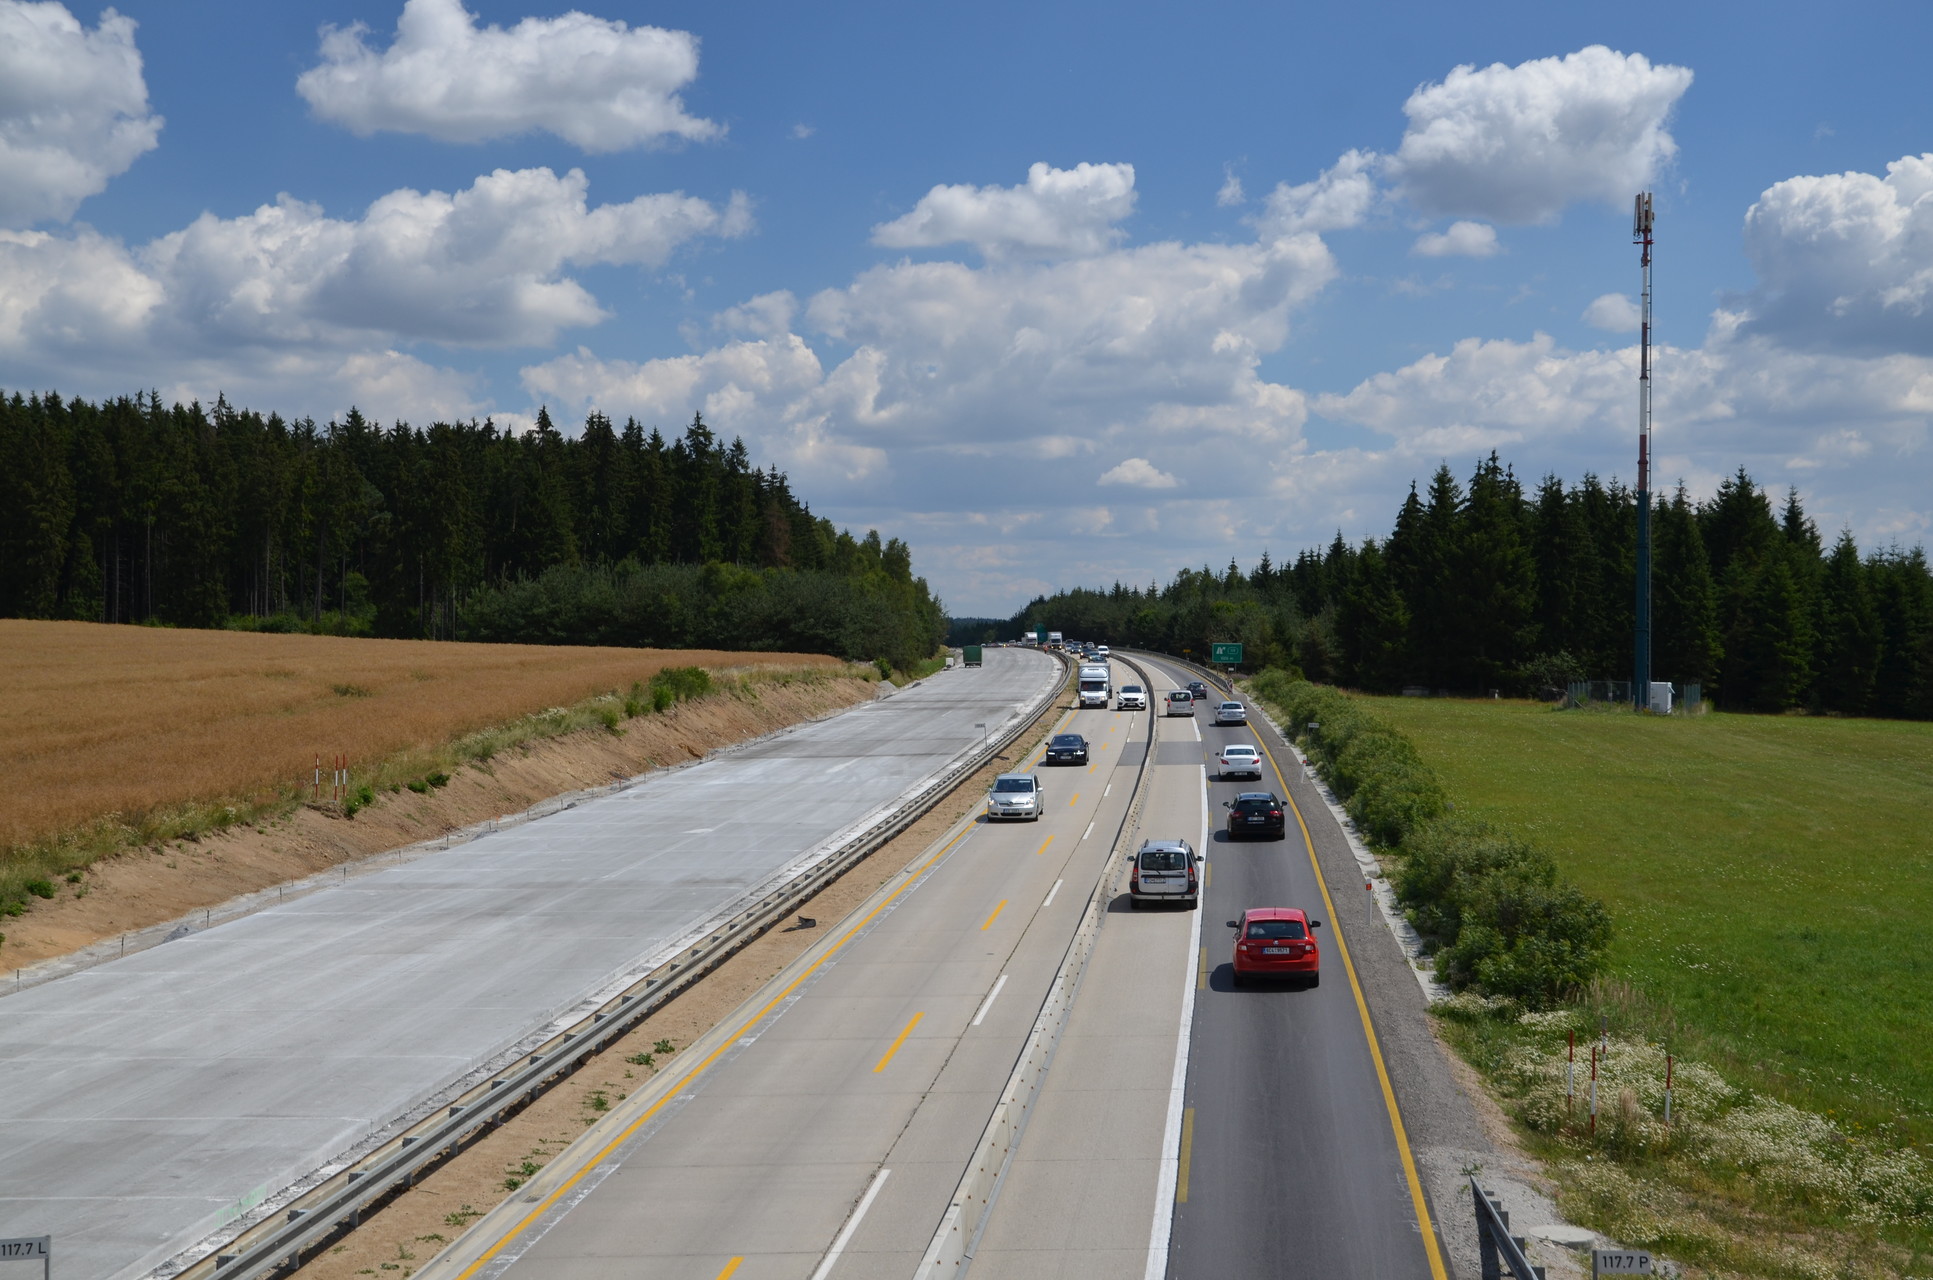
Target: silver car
<point x="1231" y="713"/>
<point x="1165" y="871"/>
<point x="1015" y="795"/>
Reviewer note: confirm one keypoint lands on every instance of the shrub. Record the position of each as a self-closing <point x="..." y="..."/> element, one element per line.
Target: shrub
<point x="40" y="888"/>
<point x="678" y="684"/>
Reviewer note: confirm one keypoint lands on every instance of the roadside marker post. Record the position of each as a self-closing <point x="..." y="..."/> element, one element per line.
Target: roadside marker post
<point x="1593" y="1091"/>
<point x="1620" y="1262"/>
<point x="1570" y="1076"/>
<point x="1667" y="1091"/>
<point x="30" y="1249"/>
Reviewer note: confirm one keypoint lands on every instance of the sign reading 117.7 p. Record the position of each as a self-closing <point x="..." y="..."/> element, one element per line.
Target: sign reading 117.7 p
<point x="1223" y="654"/>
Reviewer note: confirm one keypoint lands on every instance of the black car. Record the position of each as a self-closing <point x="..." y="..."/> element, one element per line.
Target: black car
<point x="1256" y="813"/>
<point x="1067" y="748"/>
<point x="1199" y="689"/>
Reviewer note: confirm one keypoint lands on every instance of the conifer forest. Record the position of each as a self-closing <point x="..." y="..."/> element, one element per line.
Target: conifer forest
<point x="130" y="511"/>
<point x="1487" y="586"/>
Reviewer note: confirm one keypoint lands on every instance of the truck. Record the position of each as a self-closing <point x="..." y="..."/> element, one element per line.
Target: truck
<point x="1093" y="686"/>
<point x="1053" y="640"/>
<point x="969" y="655"/>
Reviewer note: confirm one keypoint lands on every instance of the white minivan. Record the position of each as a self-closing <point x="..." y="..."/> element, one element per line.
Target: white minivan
<point x="1180" y="703"/>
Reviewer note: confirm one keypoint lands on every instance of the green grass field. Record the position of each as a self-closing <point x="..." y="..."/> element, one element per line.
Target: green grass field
<point x="1770" y="879"/>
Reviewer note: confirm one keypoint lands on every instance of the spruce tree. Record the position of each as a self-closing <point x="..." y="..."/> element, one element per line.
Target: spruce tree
<point x="1849" y="634"/>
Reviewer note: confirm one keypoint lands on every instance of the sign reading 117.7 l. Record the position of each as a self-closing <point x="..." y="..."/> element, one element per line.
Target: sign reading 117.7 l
<point x="1225" y="655"/>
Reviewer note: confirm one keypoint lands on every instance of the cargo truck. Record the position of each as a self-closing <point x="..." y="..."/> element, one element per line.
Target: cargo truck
<point x="1053" y="640"/>
<point x="969" y="655"/>
<point x="1094" y="690"/>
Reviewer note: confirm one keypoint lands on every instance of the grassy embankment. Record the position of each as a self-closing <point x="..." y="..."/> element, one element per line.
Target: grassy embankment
<point x="119" y="737"/>
<point x="1771" y="886"/>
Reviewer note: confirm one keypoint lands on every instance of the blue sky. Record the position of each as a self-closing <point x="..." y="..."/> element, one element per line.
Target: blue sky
<point x="1058" y="294"/>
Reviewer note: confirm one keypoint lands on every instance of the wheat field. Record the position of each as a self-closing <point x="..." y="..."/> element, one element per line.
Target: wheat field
<point x="98" y="720"/>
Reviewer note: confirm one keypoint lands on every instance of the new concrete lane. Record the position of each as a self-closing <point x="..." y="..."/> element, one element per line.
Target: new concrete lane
<point x="883" y="1051"/>
<point x="146" y="1101"/>
<point x="1292" y="1167"/>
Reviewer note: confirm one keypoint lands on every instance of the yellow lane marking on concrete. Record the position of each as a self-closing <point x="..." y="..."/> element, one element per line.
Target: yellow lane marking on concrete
<point x="1201" y="981"/>
<point x="996" y="912"/>
<point x="684" y="1083"/>
<point x="1091" y="768"/>
<point x="1187" y="1150"/>
<point x="1043" y="846"/>
<point x="730" y="1267"/>
<point x="914" y="1022"/>
<point x="1073" y="799"/>
<point x="1207" y="874"/>
<point x="1417" y="1200"/>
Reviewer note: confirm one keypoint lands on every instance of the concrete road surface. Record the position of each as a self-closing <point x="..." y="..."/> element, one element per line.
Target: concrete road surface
<point x="145" y="1102"/>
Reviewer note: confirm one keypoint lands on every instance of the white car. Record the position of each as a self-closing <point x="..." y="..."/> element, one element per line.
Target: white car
<point x="1015" y="795"/>
<point x="1240" y="760"/>
<point x="1132" y="698"/>
<point x="1180" y="703"/>
<point x="1231" y="713"/>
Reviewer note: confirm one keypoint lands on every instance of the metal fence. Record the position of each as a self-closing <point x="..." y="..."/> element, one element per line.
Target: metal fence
<point x="1666" y="698"/>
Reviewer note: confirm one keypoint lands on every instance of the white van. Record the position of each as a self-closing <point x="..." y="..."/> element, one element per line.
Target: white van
<point x="1093" y="686"/>
<point x="1180" y="703"/>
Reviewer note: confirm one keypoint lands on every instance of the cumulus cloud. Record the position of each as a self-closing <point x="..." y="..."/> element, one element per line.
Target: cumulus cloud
<point x="596" y="83"/>
<point x="327" y="300"/>
<point x="1518" y="144"/>
<point x="1846" y="260"/>
<point x="1231" y="193"/>
<point x="1462" y="240"/>
<point x="73" y="109"/>
<point x="1613" y="313"/>
<point x="1139" y="473"/>
<point x="1338" y="199"/>
<point x="1056" y="213"/>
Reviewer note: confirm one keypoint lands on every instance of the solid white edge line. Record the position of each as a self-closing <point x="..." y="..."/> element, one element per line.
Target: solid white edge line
<point x="852" y="1225"/>
<point x="1050" y="896"/>
<point x="988" y="1002"/>
<point x="1164" y="1197"/>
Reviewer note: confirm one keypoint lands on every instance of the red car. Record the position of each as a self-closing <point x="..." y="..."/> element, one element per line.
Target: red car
<point x="1276" y="942"/>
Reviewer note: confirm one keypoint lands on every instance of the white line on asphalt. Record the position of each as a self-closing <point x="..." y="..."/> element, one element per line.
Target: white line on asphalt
<point x="1164" y="1197"/>
<point x="1050" y="896"/>
<point x="1090" y="831"/>
<point x="852" y="1225"/>
<point x="1104" y="790"/>
<point x="988" y="1002"/>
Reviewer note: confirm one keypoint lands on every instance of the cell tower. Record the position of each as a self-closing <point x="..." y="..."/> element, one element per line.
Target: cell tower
<point x="1641" y="666"/>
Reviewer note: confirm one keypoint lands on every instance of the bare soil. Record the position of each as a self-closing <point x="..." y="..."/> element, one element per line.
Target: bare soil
<point x="151" y="886"/>
<point x="412" y="1228"/>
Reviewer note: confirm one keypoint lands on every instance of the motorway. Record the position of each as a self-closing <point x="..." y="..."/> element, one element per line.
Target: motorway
<point x="148" y="1100"/>
<point x="1184" y="1129"/>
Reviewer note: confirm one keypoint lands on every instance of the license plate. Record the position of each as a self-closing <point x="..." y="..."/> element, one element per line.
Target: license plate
<point x="1281" y="951"/>
<point x="1258" y="819"/>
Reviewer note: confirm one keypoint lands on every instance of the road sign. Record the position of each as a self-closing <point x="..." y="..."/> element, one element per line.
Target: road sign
<point x="1225" y="655"/>
<point x="1620" y="1262"/>
<point x="30" y="1249"/>
<point x="1040" y="636"/>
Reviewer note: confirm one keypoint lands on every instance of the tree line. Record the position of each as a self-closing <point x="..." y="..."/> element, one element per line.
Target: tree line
<point x="132" y="511"/>
<point x="1486" y="586"/>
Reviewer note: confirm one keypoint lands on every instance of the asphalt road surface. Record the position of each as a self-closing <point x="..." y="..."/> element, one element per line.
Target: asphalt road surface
<point x="146" y="1101"/>
<point x="823" y="1128"/>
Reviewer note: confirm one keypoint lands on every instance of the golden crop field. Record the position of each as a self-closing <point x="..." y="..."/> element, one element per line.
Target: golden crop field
<point x="98" y="719"/>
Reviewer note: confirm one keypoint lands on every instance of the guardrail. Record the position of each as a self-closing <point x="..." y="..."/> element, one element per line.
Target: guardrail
<point x="300" y="1227"/>
<point x="1496" y="1247"/>
<point x="951" y="1249"/>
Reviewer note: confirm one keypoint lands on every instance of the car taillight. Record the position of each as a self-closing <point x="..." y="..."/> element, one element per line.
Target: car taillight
<point x="1191" y="877"/>
<point x="1275" y="813"/>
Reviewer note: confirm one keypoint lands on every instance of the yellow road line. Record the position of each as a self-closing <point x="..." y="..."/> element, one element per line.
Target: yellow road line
<point x="684" y="1083"/>
<point x="1073" y="799"/>
<point x="1201" y="978"/>
<point x="1043" y="846"/>
<point x="730" y="1267"/>
<point x="900" y="1041"/>
<point x="996" y="911"/>
<point x="1207" y="874"/>
<point x="1417" y="1201"/>
<point x="1187" y="1151"/>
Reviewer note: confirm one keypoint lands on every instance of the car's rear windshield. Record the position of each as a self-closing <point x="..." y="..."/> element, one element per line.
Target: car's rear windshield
<point x="1163" y="860"/>
<point x="1181" y="695"/>
<point x="1231" y="706"/>
<point x="1238" y="751"/>
<point x="1014" y="784"/>
<point x="1275" y="929"/>
<point x="1254" y="806"/>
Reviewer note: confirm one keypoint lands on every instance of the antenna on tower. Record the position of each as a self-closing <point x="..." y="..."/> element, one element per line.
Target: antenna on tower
<point x="1641" y="667"/>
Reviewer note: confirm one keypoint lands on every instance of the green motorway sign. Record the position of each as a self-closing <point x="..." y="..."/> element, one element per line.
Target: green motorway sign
<point x="1225" y="655"/>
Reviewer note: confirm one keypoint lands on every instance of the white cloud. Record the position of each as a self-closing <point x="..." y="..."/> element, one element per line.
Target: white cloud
<point x="1058" y="212"/>
<point x="803" y="131"/>
<point x="1463" y="239"/>
<point x="1518" y="144"/>
<point x="1613" y="313"/>
<point x="596" y="83"/>
<point x="1139" y="473"/>
<point x="1338" y="199"/>
<point x="1231" y="193"/>
<point x="769" y="315"/>
<point x="1846" y="260"/>
<point x="73" y="109"/>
